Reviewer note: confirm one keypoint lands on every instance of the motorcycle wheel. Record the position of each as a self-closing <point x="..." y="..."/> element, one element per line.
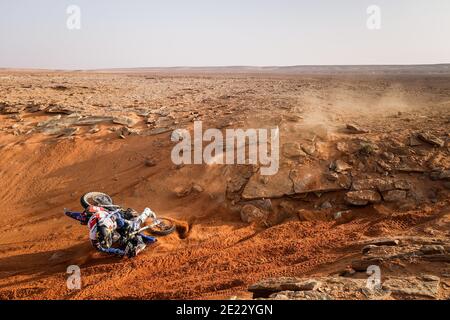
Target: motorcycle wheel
<point x="164" y="228"/>
<point x="95" y="199"/>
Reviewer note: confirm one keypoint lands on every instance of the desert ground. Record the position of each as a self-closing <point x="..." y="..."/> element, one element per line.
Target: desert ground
<point x="364" y="180"/>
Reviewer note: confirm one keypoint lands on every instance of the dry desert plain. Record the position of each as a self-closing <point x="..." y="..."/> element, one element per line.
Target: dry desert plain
<point x="363" y="180"/>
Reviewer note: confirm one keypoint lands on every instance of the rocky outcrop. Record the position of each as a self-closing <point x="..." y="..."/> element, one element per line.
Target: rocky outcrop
<point x="339" y="288"/>
<point x="290" y="181"/>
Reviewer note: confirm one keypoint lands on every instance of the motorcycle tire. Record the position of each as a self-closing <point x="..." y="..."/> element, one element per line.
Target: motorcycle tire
<point x="164" y="228"/>
<point x="88" y="199"/>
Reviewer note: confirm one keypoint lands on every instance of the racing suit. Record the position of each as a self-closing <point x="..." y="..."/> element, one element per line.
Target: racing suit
<point x="117" y="227"/>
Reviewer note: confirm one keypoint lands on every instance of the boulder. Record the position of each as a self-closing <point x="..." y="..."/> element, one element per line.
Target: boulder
<point x="308" y="179"/>
<point x="251" y="213"/>
<point x="263" y="204"/>
<point x="275" y="186"/>
<point x="440" y="175"/>
<point x="414" y="141"/>
<point x="431" y="139"/>
<point x="265" y="288"/>
<point x="426" y="286"/>
<point x="432" y="249"/>
<point x="362" y="198"/>
<point x="326" y="288"/>
<point x="378" y="184"/>
<point x="293" y="150"/>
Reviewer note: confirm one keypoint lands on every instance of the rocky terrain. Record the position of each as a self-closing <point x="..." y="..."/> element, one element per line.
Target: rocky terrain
<point x="364" y="180"/>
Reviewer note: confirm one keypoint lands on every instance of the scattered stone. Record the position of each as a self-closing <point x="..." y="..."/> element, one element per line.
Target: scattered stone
<point x="343" y="216"/>
<point x="432" y="249"/>
<point x="394" y="195"/>
<point x="309" y="149"/>
<point x="125" y="131"/>
<point x="440" y="175"/>
<point x="332" y="176"/>
<point x="125" y="121"/>
<point x="159" y="131"/>
<point x="264" y="288"/>
<point x="367" y="149"/>
<point x="402" y="185"/>
<point x="431" y="139"/>
<point x="263" y="204"/>
<point x="311" y="180"/>
<point x="361" y="265"/>
<point x="197" y="188"/>
<point x="444" y="257"/>
<point x="94" y="130"/>
<point x="182" y="192"/>
<point x="353" y="128"/>
<point x="67" y="132"/>
<point x="326" y="205"/>
<point x="362" y="198"/>
<point x="250" y="213"/>
<point x="92" y="120"/>
<point x="389" y="156"/>
<point x="293" y="150"/>
<point x="366" y="249"/>
<point x="13" y="109"/>
<point x="58" y="109"/>
<point x="149" y="163"/>
<point x="414" y="141"/>
<point x="32" y="108"/>
<point x="16" y="117"/>
<point x="382" y="242"/>
<point x="384" y="166"/>
<point x="276" y="186"/>
<point x="343" y="147"/>
<point x="299" y="295"/>
<point x="60" y="87"/>
<point x="340" y="166"/>
<point x="379" y="184"/>
<point x="326" y="288"/>
<point x="410" y="168"/>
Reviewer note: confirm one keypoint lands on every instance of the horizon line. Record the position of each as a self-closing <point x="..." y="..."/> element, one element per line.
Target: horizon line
<point x="222" y="67"/>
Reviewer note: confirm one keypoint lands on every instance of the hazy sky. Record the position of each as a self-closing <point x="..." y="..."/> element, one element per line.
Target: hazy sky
<point x="150" y="33"/>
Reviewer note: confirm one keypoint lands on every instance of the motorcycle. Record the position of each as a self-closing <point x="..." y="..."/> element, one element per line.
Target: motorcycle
<point x="157" y="226"/>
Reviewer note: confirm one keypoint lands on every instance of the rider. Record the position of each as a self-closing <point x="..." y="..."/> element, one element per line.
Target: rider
<point x="106" y="228"/>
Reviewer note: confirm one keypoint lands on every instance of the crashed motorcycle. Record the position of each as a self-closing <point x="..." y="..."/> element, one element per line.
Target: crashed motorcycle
<point x="154" y="225"/>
